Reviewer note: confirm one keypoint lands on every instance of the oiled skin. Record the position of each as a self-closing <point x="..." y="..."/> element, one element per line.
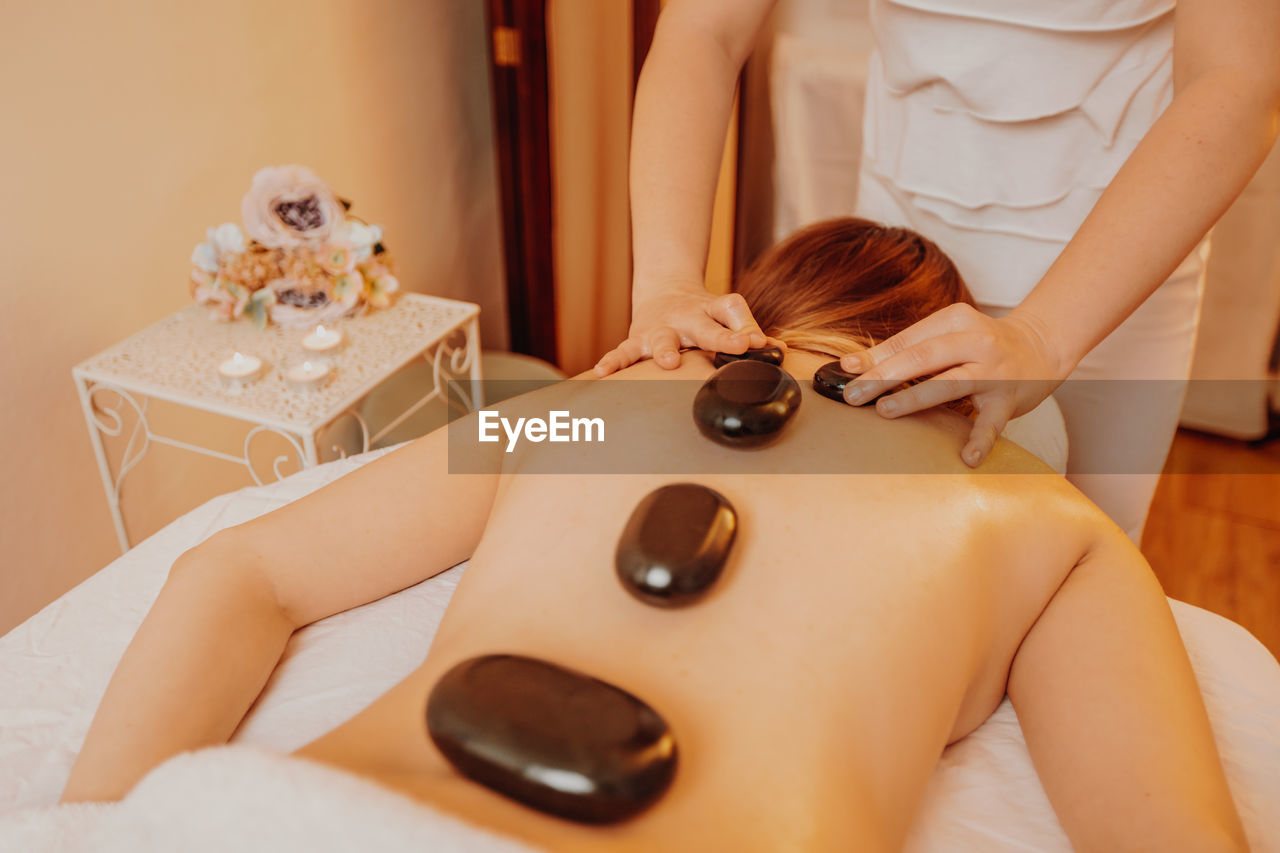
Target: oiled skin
<point x="862" y="623"/>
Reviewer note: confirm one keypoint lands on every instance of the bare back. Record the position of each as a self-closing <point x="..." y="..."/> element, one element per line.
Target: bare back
<point x="852" y="606"/>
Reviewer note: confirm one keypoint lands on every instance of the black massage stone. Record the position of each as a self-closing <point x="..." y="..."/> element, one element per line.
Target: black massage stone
<point x="769" y="355"/>
<point x="745" y="404"/>
<point x="830" y="379"/>
<point x="551" y="738"/>
<point x="675" y="544"/>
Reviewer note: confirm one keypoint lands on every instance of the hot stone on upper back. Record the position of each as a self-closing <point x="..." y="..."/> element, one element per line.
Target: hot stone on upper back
<point x="675" y="544"/>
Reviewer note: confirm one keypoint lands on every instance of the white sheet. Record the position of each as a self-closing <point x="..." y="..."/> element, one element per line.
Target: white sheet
<point x="984" y="795"/>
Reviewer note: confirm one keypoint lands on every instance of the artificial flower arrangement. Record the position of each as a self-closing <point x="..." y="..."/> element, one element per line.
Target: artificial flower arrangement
<point x="300" y="259"/>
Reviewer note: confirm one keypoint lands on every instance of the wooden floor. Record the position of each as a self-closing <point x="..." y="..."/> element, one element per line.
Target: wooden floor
<point x="1213" y="536"/>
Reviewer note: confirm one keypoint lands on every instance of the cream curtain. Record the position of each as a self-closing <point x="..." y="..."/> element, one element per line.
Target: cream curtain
<point x="590" y="78"/>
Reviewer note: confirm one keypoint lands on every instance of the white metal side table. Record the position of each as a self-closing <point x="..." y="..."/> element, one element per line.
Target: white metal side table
<point x="176" y="360"/>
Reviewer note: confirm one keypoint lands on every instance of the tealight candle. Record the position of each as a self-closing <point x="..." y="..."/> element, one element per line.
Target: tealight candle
<point x="239" y="370"/>
<point x="307" y="375"/>
<point x="322" y="340"/>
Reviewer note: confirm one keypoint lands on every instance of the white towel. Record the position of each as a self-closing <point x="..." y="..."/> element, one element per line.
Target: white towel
<point x="247" y="799"/>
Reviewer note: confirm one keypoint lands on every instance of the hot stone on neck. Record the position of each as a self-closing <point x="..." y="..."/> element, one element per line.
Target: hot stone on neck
<point x="769" y="355"/>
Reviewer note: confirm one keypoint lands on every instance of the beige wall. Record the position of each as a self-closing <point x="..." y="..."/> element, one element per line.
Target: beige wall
<point x="131" y="126"/>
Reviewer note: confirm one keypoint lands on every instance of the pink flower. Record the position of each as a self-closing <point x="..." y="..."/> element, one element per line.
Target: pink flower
<point x="337" y="258"/>
<point x="348" y="288"/>
<point x="298" y="307"/>
<point x="228" y="300"/>
<point x="289" y="206"/>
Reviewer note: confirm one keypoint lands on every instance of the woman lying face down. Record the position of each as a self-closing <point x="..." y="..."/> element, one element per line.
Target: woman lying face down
<point x="850" y="625"/>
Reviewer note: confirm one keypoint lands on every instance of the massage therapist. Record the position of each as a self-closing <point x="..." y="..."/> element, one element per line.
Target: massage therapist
<point x="1070" y="157"/>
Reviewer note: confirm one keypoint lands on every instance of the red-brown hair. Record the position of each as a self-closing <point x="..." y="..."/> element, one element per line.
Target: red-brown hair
<point x="849" y="281"/>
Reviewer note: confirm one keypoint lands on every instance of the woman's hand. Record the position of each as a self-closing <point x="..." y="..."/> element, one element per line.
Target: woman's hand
<point x="1006" y="365"/>
<point x="684" y="315"/>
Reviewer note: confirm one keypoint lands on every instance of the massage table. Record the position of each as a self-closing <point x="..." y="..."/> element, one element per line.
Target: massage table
<point x="54" y="668"/>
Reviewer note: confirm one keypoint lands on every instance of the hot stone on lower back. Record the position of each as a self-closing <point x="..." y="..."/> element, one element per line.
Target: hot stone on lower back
<point x="745" y="404"/>
<point x="552" y="738"/>
<point x="675" y="544"/>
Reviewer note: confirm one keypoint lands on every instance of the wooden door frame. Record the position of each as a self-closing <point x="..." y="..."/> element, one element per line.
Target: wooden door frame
<point x="644" y="21"/>
<point x="518" y="60"/>
<point x="521" y="114"/>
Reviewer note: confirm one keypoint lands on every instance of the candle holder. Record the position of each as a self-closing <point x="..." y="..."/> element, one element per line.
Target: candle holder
<point x="323" y="340"/>
<point x="307" y="374"/>
<point x="239" y="371"/>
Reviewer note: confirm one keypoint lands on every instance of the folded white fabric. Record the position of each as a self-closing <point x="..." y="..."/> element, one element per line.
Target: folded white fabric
<point x="246" y="799"/>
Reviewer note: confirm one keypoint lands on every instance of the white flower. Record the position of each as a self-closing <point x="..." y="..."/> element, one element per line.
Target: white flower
<point x="227" y="237"/>
<point x="361" y="237"/>
<point x="358" y="234"/>
<point x="205" y="257"/>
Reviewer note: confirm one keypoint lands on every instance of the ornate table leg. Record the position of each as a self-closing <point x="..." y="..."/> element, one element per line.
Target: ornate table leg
<point x="450" y="364"/>
<point x="107" y="421"/>
<point x="306" y="452"/>
<point x="309" y="448"/>
<point x="354" y="414"/>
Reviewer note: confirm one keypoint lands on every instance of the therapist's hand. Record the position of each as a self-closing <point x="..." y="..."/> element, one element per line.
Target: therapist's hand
<point x="684" y="315"/>
<point x="1006" y="365"/>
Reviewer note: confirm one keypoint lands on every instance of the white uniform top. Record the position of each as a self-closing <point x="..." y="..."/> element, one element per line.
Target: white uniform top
<point x="992" y="126"/>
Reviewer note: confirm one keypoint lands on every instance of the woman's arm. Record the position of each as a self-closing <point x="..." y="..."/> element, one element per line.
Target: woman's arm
<point x="1112" y="714"/>
<point x="222" y="619"/>
<point x="1180" y="179"/>
<point x="682" y="108"/>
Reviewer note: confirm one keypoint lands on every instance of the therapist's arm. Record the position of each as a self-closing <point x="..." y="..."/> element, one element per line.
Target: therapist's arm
<point x="223" y="618"/>
<point x="682" y="108"/>
<point x="1180" y="179"/>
